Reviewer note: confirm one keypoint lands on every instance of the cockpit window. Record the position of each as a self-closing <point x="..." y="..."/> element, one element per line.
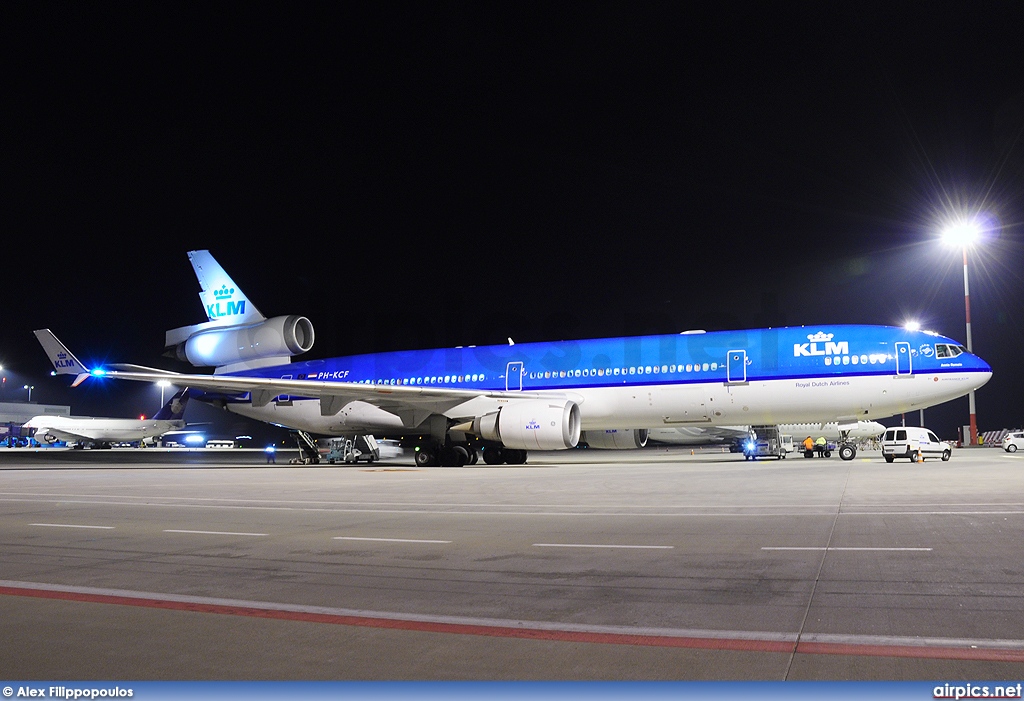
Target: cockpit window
<point x="948" y="350"/>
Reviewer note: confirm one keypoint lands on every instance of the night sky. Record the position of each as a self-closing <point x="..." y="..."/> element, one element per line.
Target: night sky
<point x="424" y="174"/>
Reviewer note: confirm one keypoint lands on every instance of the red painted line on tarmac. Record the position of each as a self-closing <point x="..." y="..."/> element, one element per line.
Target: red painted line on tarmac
<point x="735" y="644"/>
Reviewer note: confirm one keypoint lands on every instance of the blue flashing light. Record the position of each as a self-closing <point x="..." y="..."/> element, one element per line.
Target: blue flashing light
<point x="195" y="438"/>
<point x="750" y="445"/>
<point x="98" y="372"/>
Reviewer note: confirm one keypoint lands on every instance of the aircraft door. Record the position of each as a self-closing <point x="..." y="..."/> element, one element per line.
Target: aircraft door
<point x="514" y="377"/>
<point x="283" y="399"/>
<point x="736" y="367"/>
<point x="904" y="363"/>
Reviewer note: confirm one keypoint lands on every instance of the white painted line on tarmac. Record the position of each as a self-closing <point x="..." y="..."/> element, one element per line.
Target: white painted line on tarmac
<point x="855" y="549"/>
<point x="173" y="530"/>
<point x="591" y="545"/>
<point x="71" y="525"/>
<point x="390" y="540"/>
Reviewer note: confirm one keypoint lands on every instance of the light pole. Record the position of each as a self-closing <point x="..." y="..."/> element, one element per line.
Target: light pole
<point x="964" y="234"/>
<point x="162" y="384"/>
<point x="29" y="388"/>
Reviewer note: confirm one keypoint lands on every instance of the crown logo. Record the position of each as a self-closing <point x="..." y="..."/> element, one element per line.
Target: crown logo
<point x="820" y="336"/>
<point x="62" y="355"/>
<point x="223" y="293"/>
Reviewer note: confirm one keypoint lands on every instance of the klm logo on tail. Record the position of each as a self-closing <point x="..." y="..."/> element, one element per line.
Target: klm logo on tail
<point x="830" y="348"/>
<point x="62" y="361"/>
<point x="223" y="305"/>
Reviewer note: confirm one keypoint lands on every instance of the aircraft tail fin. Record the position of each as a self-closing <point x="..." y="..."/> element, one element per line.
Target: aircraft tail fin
<point x="64" y="361"/>
<point x="224" y="302"/>
<point x="174" y="408"/>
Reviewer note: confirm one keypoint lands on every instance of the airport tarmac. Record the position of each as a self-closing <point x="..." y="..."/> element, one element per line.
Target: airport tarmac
<point x="650" y="564"/>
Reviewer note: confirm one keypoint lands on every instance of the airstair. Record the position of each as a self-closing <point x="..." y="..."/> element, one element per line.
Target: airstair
<point x="309" y="451"/>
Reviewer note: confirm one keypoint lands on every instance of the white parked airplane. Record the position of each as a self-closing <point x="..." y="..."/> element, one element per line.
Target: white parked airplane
<point x="102" y="432"/>
<point x="539" y="396"/>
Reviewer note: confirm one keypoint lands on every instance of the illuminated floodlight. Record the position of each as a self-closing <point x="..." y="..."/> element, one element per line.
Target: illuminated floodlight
<point x="912" y="325"/>
<point x="163" y="383"/>
<point x="962" y="233"/>
<point x="194" y="438"/>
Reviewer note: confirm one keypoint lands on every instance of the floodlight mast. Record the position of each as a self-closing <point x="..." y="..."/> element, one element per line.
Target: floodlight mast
<point x="964" y="234"/>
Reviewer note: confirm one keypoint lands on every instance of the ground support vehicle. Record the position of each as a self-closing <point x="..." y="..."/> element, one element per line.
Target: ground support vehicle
<point x="914" y="443"/>
<point x="764" y="442"/>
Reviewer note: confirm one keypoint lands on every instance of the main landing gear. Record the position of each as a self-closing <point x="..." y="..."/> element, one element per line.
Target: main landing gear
<point x="460" y="454"/>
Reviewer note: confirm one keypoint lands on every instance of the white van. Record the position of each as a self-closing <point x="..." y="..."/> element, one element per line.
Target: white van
<point x="908" y="442"/>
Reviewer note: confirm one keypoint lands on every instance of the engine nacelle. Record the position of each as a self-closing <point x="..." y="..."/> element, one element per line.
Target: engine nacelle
<point x="532" y="425"/>
<point x="44" y="437"/>
<point x="627" y="439"/>
<point x="273" y="338"/>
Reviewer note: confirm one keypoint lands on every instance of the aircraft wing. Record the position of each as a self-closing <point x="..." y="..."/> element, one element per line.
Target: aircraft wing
<point x="412" y="404"/>
<point x="62" y="434"/>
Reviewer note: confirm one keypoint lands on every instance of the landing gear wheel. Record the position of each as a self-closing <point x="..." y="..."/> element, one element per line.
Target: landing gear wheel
<point x="454" y="456"/>
<point x="493" y="455"/>
<point x="847" y="452"/>
<point x="424" y="457"/>
<point x="515" y="457"/>
<point x="474" y="456"/>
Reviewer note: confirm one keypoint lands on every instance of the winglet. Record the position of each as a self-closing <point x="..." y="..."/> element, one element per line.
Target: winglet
<point x="64" y="361"/>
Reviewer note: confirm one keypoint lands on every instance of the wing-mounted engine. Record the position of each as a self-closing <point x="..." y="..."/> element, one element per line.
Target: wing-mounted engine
<point x="628" y="439"/>
<point x="275" y="339"/>
<point x="532" y="425"/>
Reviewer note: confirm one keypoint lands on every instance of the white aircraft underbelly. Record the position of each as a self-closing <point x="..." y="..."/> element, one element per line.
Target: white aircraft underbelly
<point x="768" y="402"/>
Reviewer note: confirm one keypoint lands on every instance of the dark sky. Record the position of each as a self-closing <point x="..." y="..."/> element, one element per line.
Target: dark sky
<point x="426" y="174"/>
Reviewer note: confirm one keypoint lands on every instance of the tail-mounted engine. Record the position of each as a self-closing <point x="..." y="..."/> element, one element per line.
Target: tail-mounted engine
<point x="280" y="337"/>
<point x="532" y="425"/>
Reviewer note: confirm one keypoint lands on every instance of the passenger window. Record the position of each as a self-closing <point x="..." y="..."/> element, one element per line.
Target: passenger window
<point x="889" y="435"/>
<point x="901" y="435"/>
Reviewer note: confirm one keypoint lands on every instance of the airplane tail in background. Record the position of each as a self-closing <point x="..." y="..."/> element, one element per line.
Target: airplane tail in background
<point x="64" y="361"/>
<point x="224" y="302"/>
<point x="174" y="408"/>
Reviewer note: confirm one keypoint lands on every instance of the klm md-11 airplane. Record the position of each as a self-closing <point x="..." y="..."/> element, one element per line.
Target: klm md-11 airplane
<point x="544" y="396"/>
